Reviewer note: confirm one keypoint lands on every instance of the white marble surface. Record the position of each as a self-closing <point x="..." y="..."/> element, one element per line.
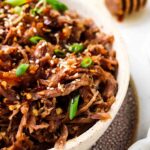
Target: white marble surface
<point x="136" y="33"/>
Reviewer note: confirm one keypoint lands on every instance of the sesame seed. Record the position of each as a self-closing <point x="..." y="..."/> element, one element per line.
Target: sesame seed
<point x="47" y="54"/>
<point x="54" y="57"/>
<point x="53" y="71"/>
<point x="60" y="59"/>
<point x="6" y="7"/>
<point x="37" y="61"/>
<point x="19" y="32"/>
<point x="48" y="88"/>
<point x="67" y="54"/>
<point x="31" y="61"/>
<point x="1" y="10"/>
<point x="66" y="69"/>
<point x="73" y="66"/>
<point x="18" y="97"/>
<point x="76" y="74"/>
<point x="28" y="25"/>
<point x="86" y="50"/>
<point x="47" y="22"/>
<point x="56" y="34"/>
<point x="51" y="88"/>
<point x="44" y="43"/>
<point x="45" y="17"/>
<point x="77" y="80"/>
<point x="73" y="82"/>
<point x="34" y="29"/>
<point x="20" y="23"/>
<point x="52" y="62"/>
<point x="37" y="17"/>
<point x="1" y="31"/>
<point x="60" y="87"/>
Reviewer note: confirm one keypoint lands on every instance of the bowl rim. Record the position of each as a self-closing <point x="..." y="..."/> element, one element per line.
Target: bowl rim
<point x="92" y="134"/>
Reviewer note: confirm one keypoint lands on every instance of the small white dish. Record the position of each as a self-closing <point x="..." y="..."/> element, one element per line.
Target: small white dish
<point x="143" y="144"/>
<point x="102" y="18"/>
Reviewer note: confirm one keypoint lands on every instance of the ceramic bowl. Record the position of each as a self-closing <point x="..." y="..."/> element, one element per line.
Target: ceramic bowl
<point x="102" y="18"/>
<point x="143" y="144"/>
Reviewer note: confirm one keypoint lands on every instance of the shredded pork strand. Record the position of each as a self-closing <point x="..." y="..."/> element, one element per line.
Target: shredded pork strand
<point x="35" y="101"/>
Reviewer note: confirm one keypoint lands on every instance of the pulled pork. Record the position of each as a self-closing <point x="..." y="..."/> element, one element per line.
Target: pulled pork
<point x="63" y="55"/>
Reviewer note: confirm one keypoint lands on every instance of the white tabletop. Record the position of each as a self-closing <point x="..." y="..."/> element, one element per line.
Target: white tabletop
<point x="136" y="33"/>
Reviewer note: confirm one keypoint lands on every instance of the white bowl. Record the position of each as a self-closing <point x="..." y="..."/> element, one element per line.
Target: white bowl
<point x="102" y="18"/>
<point x="143" y="144"/>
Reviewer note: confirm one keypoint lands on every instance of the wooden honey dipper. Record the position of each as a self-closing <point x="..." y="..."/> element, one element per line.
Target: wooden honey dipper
<point x="121" y="8"/>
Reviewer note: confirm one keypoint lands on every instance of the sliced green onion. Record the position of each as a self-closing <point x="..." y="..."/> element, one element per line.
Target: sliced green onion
<point x="16" y="2"/>
<point x="76" y="48"/>
<point x="36" y="11"/>
<point x="35" y="39"/>
<point x="18" y="10"/>
<point x="59" y="53"/>
<point x="33" y="11"/>
<point x="73" y="107"/>
<point x="86" y="62"/>
<point x="56" y="4"/>
<point x="21" y="69"/>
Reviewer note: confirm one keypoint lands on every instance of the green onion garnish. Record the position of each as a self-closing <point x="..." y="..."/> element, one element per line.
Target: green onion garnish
<point x="18" y="10"/>
<point x="59" y="53"/>
<point x="76" y="48"/>
<point x="35" y="39"/>
<point x="86" y="62"/>
<point x="16" y="2"/>
<point x="33" y="11"/>
<point x="73" y="107"/>
<point x="21" y="69"/>
<point x="36" y="11"/>
<point x="39" y="7"/>
<point x="56" y="4"/>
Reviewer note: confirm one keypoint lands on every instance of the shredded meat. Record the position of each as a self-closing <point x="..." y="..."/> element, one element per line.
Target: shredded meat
<point x="86" y="107"/>
<point x="67" y="89"/>
<point x="62" y="139"/>
<point x="48" y="60"/>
